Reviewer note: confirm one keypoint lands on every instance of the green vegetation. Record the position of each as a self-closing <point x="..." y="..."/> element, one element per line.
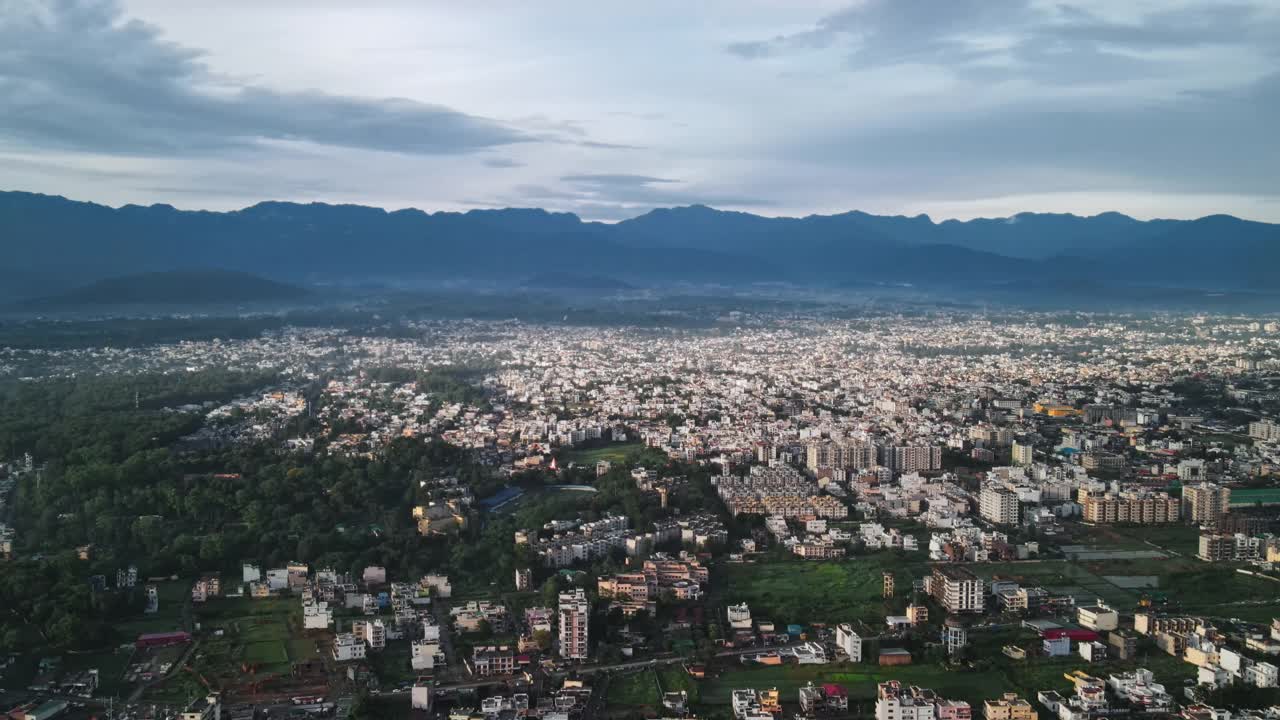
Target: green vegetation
<point x="637" y="689"/>
<point x="795" y="591"/>
<point x="614" y="453"/>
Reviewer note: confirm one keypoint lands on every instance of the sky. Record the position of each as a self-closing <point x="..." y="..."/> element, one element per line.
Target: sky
<point x="955" y="108"/>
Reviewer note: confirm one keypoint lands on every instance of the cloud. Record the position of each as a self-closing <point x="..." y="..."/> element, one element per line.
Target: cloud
<point x="1023" y="38"/>
<point x="502" y="162"/>
<point x="78" y="75"/>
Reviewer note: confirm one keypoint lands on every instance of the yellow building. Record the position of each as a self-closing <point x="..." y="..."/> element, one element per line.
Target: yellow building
<point x="1009" y="707"/>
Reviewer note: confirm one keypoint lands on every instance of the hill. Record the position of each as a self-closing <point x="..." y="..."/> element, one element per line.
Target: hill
<point x="177" y="287"/>
<point x="53" y="237"/>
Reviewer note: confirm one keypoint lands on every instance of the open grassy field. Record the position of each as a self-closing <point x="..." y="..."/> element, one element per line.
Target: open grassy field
<point x="674" y="678"/>
<point x="267" y="654"/>
<point x="614" y="453"/>
<point x="637" y="689"/>
<point x="1249" y="496"/>
<point x="1192" y="586"/>
<point x="1183" y="539"/>
<point x="822" y="592"/>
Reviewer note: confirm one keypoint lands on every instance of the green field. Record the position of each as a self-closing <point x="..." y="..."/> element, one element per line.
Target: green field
<point x="674" y="678"/>
<point x="638" y="689"/>
<point x="614" y="453"/>
<point x="820" y="592"/>
<point x="1250" y="496"/>
<point x="1192" y="586"/>
<point x="267" y="654"/>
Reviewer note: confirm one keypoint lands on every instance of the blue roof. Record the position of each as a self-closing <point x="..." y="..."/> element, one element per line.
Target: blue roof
<point x="500" y="497"/>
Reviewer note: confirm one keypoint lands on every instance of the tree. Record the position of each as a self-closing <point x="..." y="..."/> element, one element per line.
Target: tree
<point x="542" y="638"/>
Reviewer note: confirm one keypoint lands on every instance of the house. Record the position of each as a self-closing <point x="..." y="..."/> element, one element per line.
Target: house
<point x="1098" y="616"/>
<point x="894" y="656"/>
<point x="205" y="588"/>
<point x="316" y="616"/>
<point x="347" y="647"/>
<point x="372" y="632"/>
<point x="493" y="660"/>
<point x="739" y="616"/>
<point x="426" y="655"/>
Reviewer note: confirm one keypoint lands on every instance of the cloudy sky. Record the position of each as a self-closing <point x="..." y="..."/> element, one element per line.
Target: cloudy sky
<point x="957" y="108"/>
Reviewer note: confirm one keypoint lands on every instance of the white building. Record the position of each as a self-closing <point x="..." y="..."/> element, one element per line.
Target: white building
<point x="739" y="617"/>
<point x="372" y="632"/>
<point x="347" y="646"/>
<point x="1262" y="674"/>
<point x="1099" y="617"/>
<point x="317" y="616"/>
<point x="849" y="642"/>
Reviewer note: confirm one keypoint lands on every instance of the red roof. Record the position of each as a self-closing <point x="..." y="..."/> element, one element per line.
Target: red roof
<point x="834" y="690"/>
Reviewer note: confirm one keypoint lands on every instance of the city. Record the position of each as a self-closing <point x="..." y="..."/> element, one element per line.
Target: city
<point x="1019" y="514"/>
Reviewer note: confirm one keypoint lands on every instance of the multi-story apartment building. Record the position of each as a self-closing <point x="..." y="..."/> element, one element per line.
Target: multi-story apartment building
<point x="1265" y="430"/>
<point x="849" y="642"/>
<point x="1139" y="507"/>
<point x="1205" y="503"/>
<point x="906" y="459"/>
<point x="999" y="505"/>
<point x="1022" y="453"/>
<point x="574" y="612"/>
<point x="957" y="589"/>
<point x="837" y="454"/>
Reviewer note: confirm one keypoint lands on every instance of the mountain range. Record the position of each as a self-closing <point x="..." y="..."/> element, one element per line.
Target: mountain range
<point x="52" y="243"/>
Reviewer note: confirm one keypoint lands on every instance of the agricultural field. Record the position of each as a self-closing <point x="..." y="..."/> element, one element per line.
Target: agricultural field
<point x="796" y="591"/>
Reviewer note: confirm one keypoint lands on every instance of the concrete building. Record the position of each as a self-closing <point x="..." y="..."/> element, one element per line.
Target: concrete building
<point x="1098" y="617"/>
<point x="999" y="505"/>
<point x="1009" y="707"/>
<point x="849" y="642"/>
<point x="1205" y="503"/>
<point x="1138" y="507"/>
<point x="957" y="589"/>
<point x="347" y="647"/>
<point x="574" y="612"/>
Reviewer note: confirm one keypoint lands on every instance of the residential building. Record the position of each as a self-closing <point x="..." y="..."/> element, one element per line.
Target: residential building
<point x="849" y="642"/>
<point x="957" y="589"/>
<point x="1098" y="617"/>
<point x="1205" y="503"/>
<point x="999" y="505"/>
<point x="1008" y="707"/>
<point x="574" y="612"/>
<point x="346" y="647"/>
<point x="1138" y="507"/>
<point x="372" y="632"/>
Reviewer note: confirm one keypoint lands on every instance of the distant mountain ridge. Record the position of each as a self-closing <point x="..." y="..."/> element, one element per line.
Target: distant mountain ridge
<point x="48" y="236"/>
